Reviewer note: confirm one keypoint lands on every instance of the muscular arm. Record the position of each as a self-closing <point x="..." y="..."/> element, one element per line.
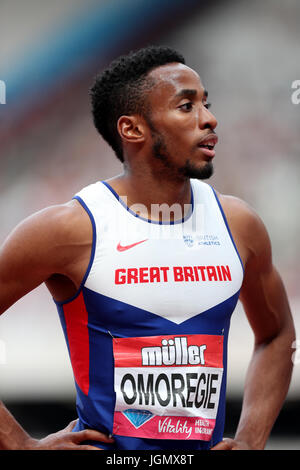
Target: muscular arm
<point x="266" y="305"/>
<point x="54" y="242"/>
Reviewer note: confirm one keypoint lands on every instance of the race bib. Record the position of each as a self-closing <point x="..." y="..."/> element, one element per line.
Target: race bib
<point x="167" y="387"/>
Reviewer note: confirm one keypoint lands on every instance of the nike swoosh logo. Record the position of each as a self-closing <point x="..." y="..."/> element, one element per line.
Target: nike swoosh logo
<point x="127" y="247"/>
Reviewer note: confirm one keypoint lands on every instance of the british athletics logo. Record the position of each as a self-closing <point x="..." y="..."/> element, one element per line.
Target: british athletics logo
<point x="167" y="387"/>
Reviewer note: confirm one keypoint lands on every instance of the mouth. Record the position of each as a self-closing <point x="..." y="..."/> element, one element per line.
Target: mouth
<point x="207" y="145"/>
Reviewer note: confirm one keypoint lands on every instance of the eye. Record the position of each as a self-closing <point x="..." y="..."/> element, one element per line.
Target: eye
<point x="207" y="105"/>
<point x="187" y="106"/>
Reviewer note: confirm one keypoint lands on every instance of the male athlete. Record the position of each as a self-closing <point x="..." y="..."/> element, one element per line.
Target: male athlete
<point x="145" y="294"/>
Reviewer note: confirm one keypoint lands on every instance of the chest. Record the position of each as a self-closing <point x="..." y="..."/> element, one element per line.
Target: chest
<point x="168" y="271"/>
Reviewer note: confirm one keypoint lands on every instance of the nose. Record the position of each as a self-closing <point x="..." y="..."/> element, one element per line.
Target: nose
<point x="207" y="119"/>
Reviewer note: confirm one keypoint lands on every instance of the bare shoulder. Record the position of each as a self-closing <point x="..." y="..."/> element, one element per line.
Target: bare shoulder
<point x="247" y="226"/>
<point x="49" y="236"/>
<point x="54" y="241"/>
<point x="63" y="220"/>
<point x="68" y="220"/>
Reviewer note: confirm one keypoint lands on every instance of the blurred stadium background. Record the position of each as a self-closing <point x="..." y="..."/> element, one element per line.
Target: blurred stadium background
<point x="247" y="54"/>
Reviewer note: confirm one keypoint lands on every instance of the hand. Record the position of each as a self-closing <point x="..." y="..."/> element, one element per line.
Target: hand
<point x="68" y="440"/>
<point x="231" y="444"/>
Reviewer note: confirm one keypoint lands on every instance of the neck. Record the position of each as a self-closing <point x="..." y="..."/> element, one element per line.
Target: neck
<point x="144" y="191"/>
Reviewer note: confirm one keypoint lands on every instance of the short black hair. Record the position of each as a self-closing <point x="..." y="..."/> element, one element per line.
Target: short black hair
<point x="120" y="89"/>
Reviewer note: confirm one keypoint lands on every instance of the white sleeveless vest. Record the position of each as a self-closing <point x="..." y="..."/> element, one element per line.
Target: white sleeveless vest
<point x="147" y="330"/>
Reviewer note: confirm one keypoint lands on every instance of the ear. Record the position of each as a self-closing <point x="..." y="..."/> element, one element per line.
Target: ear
<point x="131" y="129"/>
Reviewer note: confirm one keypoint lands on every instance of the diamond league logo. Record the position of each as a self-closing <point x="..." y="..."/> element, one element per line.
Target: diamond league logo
<point x="138" y="417"/>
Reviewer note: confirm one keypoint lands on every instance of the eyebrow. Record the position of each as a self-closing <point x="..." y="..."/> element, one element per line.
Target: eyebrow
<point x="189" y="92"/>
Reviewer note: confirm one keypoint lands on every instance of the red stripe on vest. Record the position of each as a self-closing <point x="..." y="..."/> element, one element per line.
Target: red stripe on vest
<point x="76" y="317"/>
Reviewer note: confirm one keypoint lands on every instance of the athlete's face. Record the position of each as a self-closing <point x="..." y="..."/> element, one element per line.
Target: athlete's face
<point x="182" y="127"/>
